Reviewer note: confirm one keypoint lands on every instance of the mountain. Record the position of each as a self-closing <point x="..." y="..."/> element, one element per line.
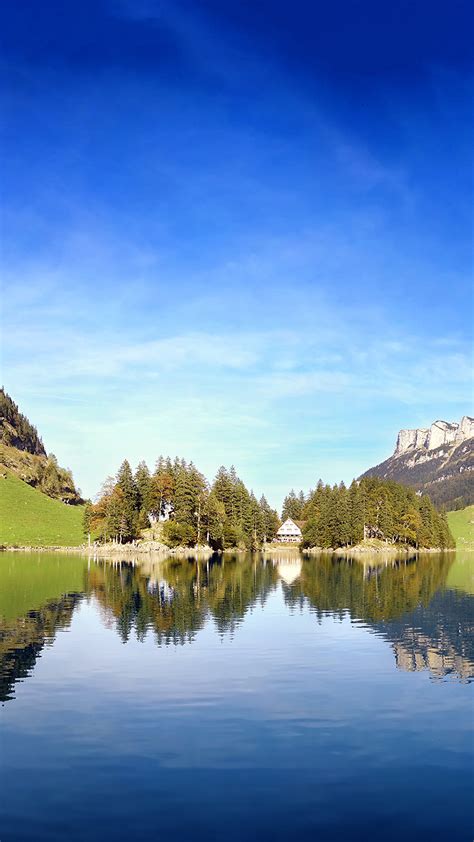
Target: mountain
<point x="15" y="429"/>
<point x="431" y="438"/>
<point x="436" y="460"/>
<point x="22" y="453"/>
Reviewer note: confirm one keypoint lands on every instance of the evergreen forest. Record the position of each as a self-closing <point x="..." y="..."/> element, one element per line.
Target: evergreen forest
<point x="337" y="516"/>
<point x="226" y="514"/>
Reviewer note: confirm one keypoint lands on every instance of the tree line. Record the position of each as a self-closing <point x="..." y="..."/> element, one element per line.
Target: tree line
<point x="226" y="514"/>
<point x="337" y="516"/>
<point x="222" y="514"/>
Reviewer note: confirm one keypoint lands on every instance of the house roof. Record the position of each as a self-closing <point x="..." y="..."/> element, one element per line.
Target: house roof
<point x="298" y="523"/>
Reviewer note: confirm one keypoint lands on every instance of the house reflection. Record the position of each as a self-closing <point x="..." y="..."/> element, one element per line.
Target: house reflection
<point x="288" y="568"/>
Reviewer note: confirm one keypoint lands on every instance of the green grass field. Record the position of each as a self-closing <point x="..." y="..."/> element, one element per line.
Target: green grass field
<point x="30" y="518"/>
<point x="461" y="524"/>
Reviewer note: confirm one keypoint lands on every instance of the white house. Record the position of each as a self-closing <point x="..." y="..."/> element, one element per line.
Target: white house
<point x="162" y="517"/>
<point x="290" y="531"/>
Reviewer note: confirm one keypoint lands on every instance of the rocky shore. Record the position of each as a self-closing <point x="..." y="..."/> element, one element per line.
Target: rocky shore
<point x="156" y="548"/>
<point x="374" y="545"/>
<point x="132" y="550"/>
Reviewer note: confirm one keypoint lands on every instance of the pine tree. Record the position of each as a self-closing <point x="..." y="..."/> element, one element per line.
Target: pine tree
<point x="270" y="520"/>
<point x="257" y="522"/>
<point x="214" y="518"/>
<point x="143" y="486"/>
<point x="444" y="537"/>
<point x="183" y="508"/>
<point x="129" y="506"/>
<point x="357" y="512"/>
<point x="426" y="532"/>
<point x="292" y="506"/>
<point x="326" y="519"/>
<point x="343" y="533"/>
<point x="117" y="526"/>
<point x="201" y="512"/>
<point x="312" y="505"/>
<point x="235" y="514"/>
<point x="224" y="491"/>
<point x="311" y="534"/>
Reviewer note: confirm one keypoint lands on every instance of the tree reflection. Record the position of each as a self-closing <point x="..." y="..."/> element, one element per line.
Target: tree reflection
<point x="176" y="598"/>
<point x="22" y="640"/>
<point x="405" y="601"/>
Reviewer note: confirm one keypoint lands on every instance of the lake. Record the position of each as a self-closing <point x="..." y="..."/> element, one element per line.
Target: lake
<point x="260" y="698"/>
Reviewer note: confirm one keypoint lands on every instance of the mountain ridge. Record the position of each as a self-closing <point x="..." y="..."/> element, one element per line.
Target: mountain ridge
<point x="435" y="460"/>
<point x="437" y="434"/>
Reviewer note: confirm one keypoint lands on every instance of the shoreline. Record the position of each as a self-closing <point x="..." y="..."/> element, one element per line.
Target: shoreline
<point x="385" y="550"/>
<point x="148" y="548"/>
<point x="108" y="550"/>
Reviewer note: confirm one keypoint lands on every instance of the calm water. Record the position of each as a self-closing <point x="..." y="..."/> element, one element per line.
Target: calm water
<point x="241" y="699"/>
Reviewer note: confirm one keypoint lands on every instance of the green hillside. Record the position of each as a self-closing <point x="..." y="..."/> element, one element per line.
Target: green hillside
<point x="461" y="524"/>
<point x="30" y="518"/>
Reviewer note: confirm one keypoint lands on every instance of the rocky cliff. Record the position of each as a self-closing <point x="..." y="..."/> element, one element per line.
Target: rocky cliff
<point x="436" y="460"/>
<point x="440" y="433"/>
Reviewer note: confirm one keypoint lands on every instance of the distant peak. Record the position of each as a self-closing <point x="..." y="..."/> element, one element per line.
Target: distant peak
<point x="440" y="432"/>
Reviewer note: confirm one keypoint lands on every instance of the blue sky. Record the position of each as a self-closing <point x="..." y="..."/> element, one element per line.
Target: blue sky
<point x="237" y="232"/>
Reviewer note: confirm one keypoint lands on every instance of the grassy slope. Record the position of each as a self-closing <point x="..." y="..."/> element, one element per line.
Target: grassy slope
<point x="461" y="524"/>
<point x="29" y="468"/>
<point x="30" y="518"/>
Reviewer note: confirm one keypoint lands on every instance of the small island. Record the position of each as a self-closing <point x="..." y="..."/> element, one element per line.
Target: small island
<point x="176" y="508"/>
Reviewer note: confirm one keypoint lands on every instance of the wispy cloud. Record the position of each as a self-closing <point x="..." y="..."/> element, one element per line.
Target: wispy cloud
<point x="205" y="255"/>
<point x="290" y="395"/>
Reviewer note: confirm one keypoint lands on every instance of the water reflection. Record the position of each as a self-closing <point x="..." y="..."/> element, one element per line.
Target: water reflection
<point x="438" y="637"/>
<point x="404" y="601"/>
<point x="22" y="639"/>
